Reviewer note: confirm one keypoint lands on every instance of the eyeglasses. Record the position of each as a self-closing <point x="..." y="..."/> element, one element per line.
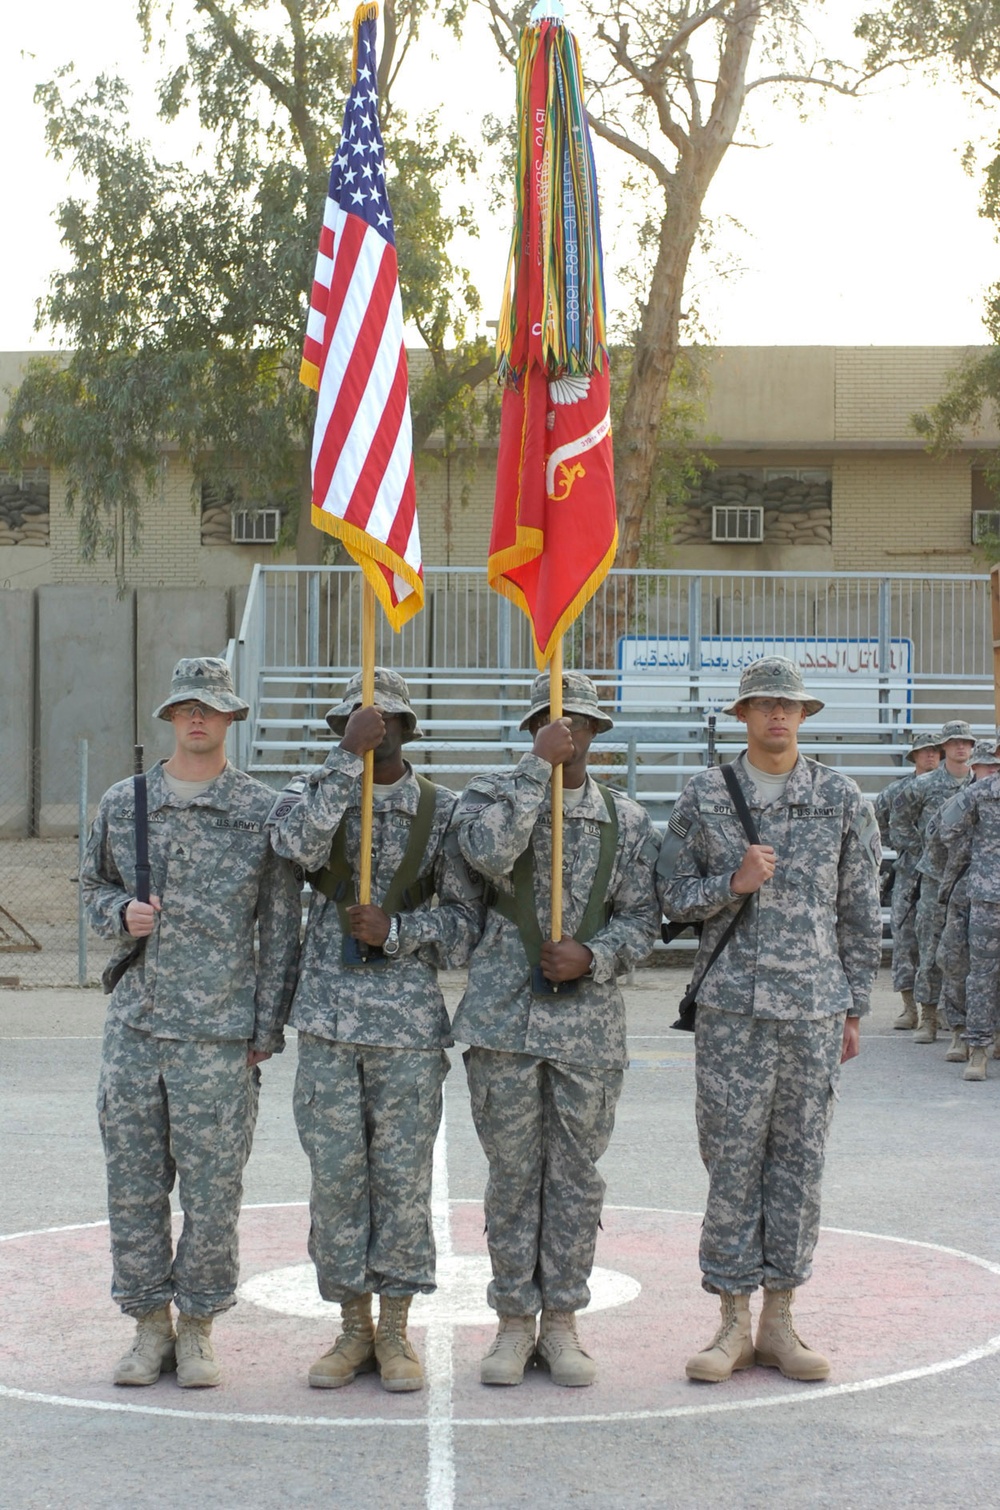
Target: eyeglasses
<point x="191" y="710"/>
<point x="768" y="704"/>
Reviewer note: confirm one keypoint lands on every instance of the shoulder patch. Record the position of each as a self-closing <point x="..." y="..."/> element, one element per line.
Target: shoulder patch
<point x="679" y="825"/>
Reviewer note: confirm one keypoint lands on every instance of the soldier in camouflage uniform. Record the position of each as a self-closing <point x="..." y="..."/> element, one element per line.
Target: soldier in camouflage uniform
<point x="909" y="821"/>
<point x="778" y="1010"/>
<point x="545" y="1070"/>
<point x="972" y="820"/>
<point x="925" y="755"/>
<point x="190" y="1019"/>
<point x="951" y="863"/>
<point x="372" y="1036"/>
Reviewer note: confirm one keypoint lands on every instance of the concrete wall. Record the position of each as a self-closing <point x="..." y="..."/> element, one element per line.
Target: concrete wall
<point x="17" y="635"/>
<point x="171" y="622"/>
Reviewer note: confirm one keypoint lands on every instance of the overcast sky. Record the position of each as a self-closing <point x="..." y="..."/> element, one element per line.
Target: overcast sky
<point x="860" y="226"/>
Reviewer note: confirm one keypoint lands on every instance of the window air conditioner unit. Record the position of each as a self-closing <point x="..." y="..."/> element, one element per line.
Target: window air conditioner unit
<point x="256" y="526"/>
<point x="985" y="522"/>
<point x="737" y="526"/>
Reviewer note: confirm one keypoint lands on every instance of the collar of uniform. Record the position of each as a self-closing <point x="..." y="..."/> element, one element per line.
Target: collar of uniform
<point x="591" y="804"/>
<point x="218" y="795"/>
<point x="798" y="788"/>
<point x="405" y="799"/>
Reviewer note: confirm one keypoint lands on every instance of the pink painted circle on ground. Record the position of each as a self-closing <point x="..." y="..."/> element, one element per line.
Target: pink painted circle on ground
<point x="916" y="1308"/>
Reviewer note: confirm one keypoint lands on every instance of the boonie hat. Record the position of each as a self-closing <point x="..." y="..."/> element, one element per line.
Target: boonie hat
<point x="579" y="696"/>
<point x="774" y="676"/>
<point x="392" y="695"/>
<point x="204" y="679"/>
<point x="956" y="729"/>
<point x="926" y="739"/>
<point x="984" y="753"/>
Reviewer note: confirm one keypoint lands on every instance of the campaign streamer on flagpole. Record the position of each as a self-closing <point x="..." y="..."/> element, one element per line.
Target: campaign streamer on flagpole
<point x="363" y="487"/>
<point x="555" y="529"/>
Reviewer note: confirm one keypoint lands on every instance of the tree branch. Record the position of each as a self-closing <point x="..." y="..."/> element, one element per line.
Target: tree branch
<point x="683" y="34"/>
<point x="618" y="139"/>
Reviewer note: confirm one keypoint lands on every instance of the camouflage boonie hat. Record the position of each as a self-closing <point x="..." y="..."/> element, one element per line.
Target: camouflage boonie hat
<point x="984" y="753"/>
<point x="956" y="729"/>
<point x="204" y="679"/>
<point x="392" y="695"/>
<point x="774" y="676"/>
<point x="927" y="739"/>
<point x="579" y="696"/>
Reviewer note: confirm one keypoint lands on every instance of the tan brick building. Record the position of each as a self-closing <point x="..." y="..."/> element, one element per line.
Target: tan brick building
<point x="816" y="468"/>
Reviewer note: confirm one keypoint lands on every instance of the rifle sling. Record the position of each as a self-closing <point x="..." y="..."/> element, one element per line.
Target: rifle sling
<point x="407" y="889"/>
<point x="519" y="908"/>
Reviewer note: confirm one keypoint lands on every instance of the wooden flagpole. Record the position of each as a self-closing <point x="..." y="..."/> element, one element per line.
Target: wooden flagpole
<point x="368" y="774"/>
<point x="556" y="711"/>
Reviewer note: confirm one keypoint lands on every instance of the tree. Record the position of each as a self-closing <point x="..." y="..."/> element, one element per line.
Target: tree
<point x="962" y="39"/>
<point x="184" y="302"/>
<point x="669" y="82"/>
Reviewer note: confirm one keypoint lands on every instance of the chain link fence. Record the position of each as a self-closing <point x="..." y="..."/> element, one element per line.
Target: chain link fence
<point x="45" y="816"/>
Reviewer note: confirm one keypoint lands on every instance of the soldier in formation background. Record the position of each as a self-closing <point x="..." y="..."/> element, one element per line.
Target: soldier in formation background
<point x="545" y="1071"/>
<point x="372" y="1024"/>
<point x="190" y="1019"/>
<point x="777" y="1011"/>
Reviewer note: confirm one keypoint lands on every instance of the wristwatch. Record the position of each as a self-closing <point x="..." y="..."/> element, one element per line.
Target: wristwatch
<point x="391" y="945"/>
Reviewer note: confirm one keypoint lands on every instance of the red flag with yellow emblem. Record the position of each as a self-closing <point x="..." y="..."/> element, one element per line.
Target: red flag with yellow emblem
<point x="554" y="531"/>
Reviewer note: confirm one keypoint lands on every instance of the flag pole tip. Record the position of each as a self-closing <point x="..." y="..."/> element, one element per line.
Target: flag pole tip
<point x="547" y="10"/>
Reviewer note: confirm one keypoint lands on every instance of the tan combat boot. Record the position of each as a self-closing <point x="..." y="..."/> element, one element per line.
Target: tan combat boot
<point x="927" y="1031"/>
<point x="976" y="1067"/>
<point x="510" y="1352"/>
<point x="558" y="1349"/>
<point x="908" y="1017"/>
<point x="353" y="1352"/>
<point x="196" y="1365"/>
<point x="152" y="1352"/>
<point x="777" y="1344"/>
<point x="958" y="1049"/>
<point x="397" y="1362"/>
<point x="730" y="1349"/>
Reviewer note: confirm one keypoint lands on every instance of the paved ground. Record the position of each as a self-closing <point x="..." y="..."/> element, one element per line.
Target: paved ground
<point x="905" y="1298"/>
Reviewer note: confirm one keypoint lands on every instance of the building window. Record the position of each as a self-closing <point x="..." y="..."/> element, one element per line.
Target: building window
<point x="256" y="526"/>
<point x="743" y="526"/>
<point x="985" y="525"/>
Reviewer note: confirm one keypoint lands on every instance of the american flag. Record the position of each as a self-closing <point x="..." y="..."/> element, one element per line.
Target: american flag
<point x="362" y="458"/>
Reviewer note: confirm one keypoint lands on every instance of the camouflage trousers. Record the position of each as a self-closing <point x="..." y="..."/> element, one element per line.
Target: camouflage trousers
<point x="367" y="1119"/>
<point x="983" y="985"/>
<point x="953" y="959"/>
<point x="172" y="1109"/>
<point x="764" y="1099"/>
<point x="904" y="932"/>
<point x="930" y="926"/>
<point x="543" y="1126"/>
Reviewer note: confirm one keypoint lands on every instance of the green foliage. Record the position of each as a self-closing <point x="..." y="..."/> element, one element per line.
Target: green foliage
<point x="184" y="302"/>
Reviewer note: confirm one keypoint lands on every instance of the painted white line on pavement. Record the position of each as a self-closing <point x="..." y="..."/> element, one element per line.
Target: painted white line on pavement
<point x="440" y="1359"/>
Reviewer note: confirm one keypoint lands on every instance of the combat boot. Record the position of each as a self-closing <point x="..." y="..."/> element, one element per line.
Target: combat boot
<point x="779" y="1346"/>
<point x="353" y="1352"/>
<point x="730" y="1349"/>
<point x="558" y="1349"/>
<point x="510" y="1352"/>
<point x="927" y="1031"/>
<point x="958" y="1049"/>
<point x="152" y="1352"/>
<point x="196" y="1365"/>
<point x="908" y="1017"/>
<point x="976" y="1067"/>
<point x="397" y="1362"/>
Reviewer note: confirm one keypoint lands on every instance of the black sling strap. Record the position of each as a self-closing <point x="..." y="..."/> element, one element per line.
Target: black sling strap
<point x="141" y="839"/>
<point x="689" y="1001"/>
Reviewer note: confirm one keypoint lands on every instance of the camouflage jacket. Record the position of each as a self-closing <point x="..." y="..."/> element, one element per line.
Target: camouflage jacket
<point x="969" y="824"/>
<point x="809" y="942"/>
<point x="498" y="815"/>
<point x="882" y="805"/>
<point x="397" y="1004"/>
<point x="913" y="810"/>
<point x="196" y="976"/>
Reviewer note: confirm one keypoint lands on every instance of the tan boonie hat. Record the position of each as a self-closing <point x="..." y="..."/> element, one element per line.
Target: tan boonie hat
<point x="927" y="739"/>
<point x="392" y="695"/>
<point x="579" y="696"/>
<point x="956" y="729"/>
<point x="774" y="676"/>
<point x="204" y="679"/>
<point x="984" y="753"/>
